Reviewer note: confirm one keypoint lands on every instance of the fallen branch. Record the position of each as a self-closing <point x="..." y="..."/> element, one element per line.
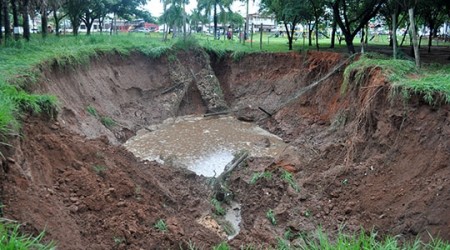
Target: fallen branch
<point x="220" y="190"/>
<point x="314" y="84"/>
<point x="169" y="89"/>
<point x="225" y="112"/>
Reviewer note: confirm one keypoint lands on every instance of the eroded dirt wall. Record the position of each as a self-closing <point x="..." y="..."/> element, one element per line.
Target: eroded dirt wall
<point x="359" y="158"/>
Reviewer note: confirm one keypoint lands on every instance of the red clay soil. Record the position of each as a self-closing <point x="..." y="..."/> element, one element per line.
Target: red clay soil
<point x="361" y="159"/>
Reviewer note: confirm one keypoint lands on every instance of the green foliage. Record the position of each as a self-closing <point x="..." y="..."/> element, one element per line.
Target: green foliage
<point x="12" y="239"/>
<point x="161" y="226"/>
<point x="155" y="52"/>
<point x="365" y="240"/>
<point x="108" y="121"/>
<point x="394" y="70"/>
<point x="99" y="169"/>
<point x="256" y="176"/>
<point x="271" y="217"/>
<point x="289" y="178"/>
<point x="92" y="111"/>
<point x="118" y="240"/>
<point x="237" y="55"/>
<point x="227" y="227"/>
<point x="282" y="244"/>
<point x="189" y="43"/>
<point x="218" y="209"/>
<point x="432" y="82"/>
<point x="222" y="246"/>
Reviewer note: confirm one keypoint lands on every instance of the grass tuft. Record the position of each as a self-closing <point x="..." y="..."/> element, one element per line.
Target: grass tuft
<point x="289" y="178"/>
<point x="432" y="82"/>
<point x="12" y="239"/>
<point x="161" y="225"/>
<point x="270" y="215"/>
<point x="218" y="209"/>
<point x="259" y="175"/>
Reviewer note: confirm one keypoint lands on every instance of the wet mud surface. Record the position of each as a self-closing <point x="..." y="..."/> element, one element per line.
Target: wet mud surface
<point x="358" y="159"/>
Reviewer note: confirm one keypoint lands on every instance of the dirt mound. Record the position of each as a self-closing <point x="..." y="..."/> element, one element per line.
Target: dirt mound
<point x="361" y="158"/>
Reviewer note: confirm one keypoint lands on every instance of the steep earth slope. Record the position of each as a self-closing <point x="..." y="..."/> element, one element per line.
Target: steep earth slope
<point x="361" y="158"/>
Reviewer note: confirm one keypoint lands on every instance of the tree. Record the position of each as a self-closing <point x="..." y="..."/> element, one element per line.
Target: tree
<point x="58" y="15"/>
<point x="15" y="14"/>
<point x="289" y="12"/>
<point x="173" y="17"/>
<point x="1" y="21"/>
<point x="318" y="9"/>
<point x="353" y="15"/>
<point x="434" y="16"/>
<point x="391" y="11"/>
<point x="214" y="5"/>
<point x="26" y="20"/>
<point x="196" y="18"/>
<point x="44" y="20"/>
<point x="410" y="6"/>
<point x="6" y="21"/>
<point x="75" y="13"/>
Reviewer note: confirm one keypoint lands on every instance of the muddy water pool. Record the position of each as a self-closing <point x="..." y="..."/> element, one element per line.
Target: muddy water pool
<point x="203" y="145"/>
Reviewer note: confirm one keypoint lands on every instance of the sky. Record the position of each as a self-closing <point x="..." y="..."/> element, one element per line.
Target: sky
<point x="156" y="8"/>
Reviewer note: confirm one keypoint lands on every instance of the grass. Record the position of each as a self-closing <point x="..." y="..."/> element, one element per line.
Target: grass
<point x="161" y="225"/>
<point x="99" y="169"/>
<point x="271" y="217"/>
<point x="108" y="121"/>
<point x="289" y="178"/>
<point x="260" y="175"/>
<point x="92" y="111"/>
<point x="222" y="246"/>
<point x="218" y="209"/>
<point x="431" y="82"/>
<point x="12" y="239"/>
<point x="318" y="240"/>
<point x="365" y="240"/>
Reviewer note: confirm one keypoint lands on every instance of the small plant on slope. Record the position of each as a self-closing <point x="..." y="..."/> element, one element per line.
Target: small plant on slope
<point x="161" y="226"/>
<point x="271" y="217"/>
<point x="289" y="178"/>
<point x="11" y="239"/>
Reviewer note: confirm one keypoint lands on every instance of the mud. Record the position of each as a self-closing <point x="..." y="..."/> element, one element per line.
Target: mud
<point x="361" y="158"/>
<point x="203" y="145"/>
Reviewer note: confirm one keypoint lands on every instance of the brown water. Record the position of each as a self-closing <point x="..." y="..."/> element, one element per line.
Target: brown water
<point x="203" y="145"/>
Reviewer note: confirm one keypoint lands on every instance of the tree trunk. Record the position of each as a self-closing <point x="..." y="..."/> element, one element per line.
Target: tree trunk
<point x="333" y="33"/>
<point x="15" y="14"/>
<point x="430" y="38"/>
<point x="44" y="20"/>
<point x="414" y="37"/>
<point x="26" y="20"/>
<point x="349" y="42"/>
<point x="184" y="21"/>
<point x="57" y="20"/>
<point x="215" y="20"/>
<point x="310" y="29"/>
<point x="394" y="35"/>
<point x="289" y="35"/>
<point x="88" y="23"/>
<point x="404" y="34"/>
<point x="6" y="21"/>
<point x="363" y="43"/>
<point x="317" y="32"/>
<point x="1" y="21"/>
<point x="100" y="23"/>
<point x="247" y="22"/>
